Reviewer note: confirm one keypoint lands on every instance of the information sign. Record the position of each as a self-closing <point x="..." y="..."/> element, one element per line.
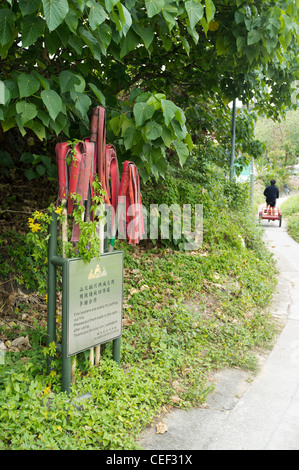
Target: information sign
<point x="94" y="301"/>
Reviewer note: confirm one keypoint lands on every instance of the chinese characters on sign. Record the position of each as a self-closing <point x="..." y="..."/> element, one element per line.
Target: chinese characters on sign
<point x="95" y="292"/>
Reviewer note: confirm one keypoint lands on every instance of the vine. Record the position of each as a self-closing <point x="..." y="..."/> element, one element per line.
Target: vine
<point x="88" y="245"/>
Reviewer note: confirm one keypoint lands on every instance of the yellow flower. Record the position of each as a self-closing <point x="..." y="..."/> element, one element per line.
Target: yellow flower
<point x="47" y="390"/>
<point x="37" y="215"/>
<point x="35" y="227"/>
<point x="58" y="210"/>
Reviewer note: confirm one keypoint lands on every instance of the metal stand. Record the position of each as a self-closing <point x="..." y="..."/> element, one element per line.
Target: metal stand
<point x="53" y="261"/>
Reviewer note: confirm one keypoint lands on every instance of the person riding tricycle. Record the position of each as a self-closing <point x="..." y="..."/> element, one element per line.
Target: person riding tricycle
<point x="272" y="193"/>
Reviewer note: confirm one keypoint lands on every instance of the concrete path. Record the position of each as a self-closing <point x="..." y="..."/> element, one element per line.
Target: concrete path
<point x="247" y="412"/>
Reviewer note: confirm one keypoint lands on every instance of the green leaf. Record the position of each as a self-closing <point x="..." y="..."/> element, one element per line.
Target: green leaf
<point x="125" y="18"/>
<point x="30" y="174"/>
<point x="142" y="112"/>
<point x="29" y="6"/>
<point x="72" y="20"/>
<point x="153" y="130"/>
<point x="26" y="157"/>
<point x="169" y="110"/>
<point x="38" y="128"/>
<point x="28" y="84"/>
<point x="253" y="37"/>
<point x="167" y="136"/>
<point x="91" y="42"/>
<point x="180" y="116"/>
<point x="189" y="142"/>
<point x="205" y="25"/>
<point x="146" y="34"/>
<point x="59" y="124"/>
<point x="182" y="151"/>
<point x="131" y="137"/>
<point x="55" y="11"/>
<point x="27" y="110"/>
<point x="97" y="15"/>
<point x="210" y="10"/>
<point x="194" y="11"/>
<point x="129" y="43"/>
<point x="8" y="124"/>
<point x="7" y="18"/>
<point x="153" y="7"/>
<point x="109" y="4"/>
<point x="4" y="93"/>
<point x="98" y="93"/>
<point x="241" y="43"/>
<point x="170" y="14"/>
<point x="32" y="28"/>
<point x="13" y="88"/>
<point x="104" y="35"/>
<point x="52" y="101"/>
<point x="67" y="81"/>
<point x="82" y="102"/>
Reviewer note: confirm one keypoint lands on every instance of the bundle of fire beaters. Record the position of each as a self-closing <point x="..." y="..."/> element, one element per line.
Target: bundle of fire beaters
<point x="93" y="158"/>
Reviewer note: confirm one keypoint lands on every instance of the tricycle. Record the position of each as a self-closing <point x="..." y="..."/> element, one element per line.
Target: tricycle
<point x="271" y="213"/>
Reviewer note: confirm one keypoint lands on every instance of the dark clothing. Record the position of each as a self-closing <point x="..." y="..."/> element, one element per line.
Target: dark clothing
<point x="271" y="193"/>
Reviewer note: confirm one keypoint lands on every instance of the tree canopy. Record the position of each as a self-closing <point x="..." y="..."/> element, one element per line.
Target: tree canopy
<point x="164" y="69"/>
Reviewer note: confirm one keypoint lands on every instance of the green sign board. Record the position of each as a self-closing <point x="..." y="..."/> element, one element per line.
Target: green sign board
<point x="94" y="301"/>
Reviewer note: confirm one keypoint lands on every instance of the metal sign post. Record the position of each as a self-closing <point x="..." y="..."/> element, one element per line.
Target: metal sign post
<point x="92" y="301"/>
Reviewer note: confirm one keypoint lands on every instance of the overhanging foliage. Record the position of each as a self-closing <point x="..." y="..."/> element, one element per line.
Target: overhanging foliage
<point x="164" y="69"/>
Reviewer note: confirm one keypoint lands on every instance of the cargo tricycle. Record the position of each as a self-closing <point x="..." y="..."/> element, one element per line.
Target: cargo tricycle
<point x="271" y="213"/>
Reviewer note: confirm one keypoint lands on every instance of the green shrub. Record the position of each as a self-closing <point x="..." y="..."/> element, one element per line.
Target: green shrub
<point x="290" y="206"/>
<point x="293" y="227"/>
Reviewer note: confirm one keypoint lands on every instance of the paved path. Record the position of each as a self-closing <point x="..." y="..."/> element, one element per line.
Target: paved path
<point x="262" y="414"/>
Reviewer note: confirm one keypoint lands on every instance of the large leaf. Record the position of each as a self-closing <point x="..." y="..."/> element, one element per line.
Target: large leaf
<point x="82" y="102"/>
<point x="98" y="93"/>
<point x="4" y="93"/>
<point x="38" y="128"/>
<point x="109" y="4"/>
<point x="182" y="151"/>
<point x="153" y="130"/>
<point x="210" y="10"/>
<point x="154" y="7"/>
<point x="125" y="18"/>
<point x="253" y="37"/>
<point x="52" y="101"/>
<point x="7" y="18"/>
<point x="129" y="43"/>
<point x="28" y="84"/>
<point x="68" y="80"/>
<point x="169" y="110"/>
<point x="55" y="11"/>
<point x="97" y="15"/>
<point x="142" y="112"/>
<point x="194" y="11"/>
<point x="27" y="111"/>
<point x="29" y="6"/>
<point x="32" y="28"/>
